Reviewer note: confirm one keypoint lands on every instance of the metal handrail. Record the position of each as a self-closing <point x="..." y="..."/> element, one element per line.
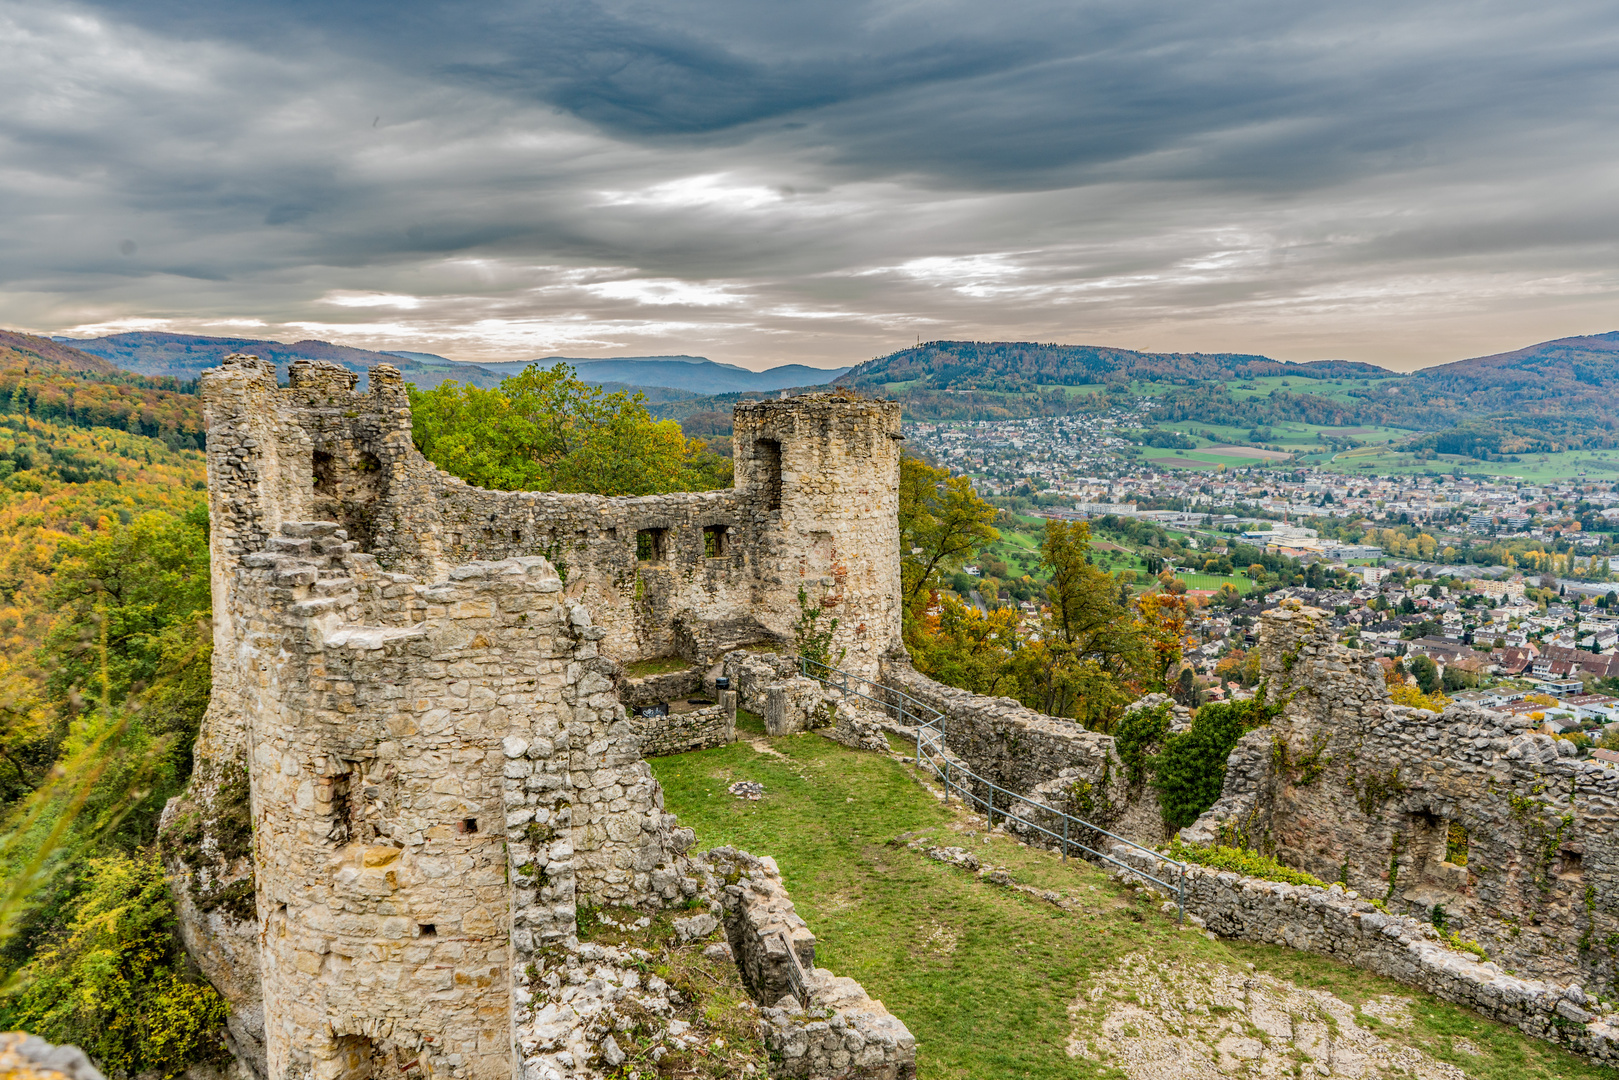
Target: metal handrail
<point x="930" y="742"/>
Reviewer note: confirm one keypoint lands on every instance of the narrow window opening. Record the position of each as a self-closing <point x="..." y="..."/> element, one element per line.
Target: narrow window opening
<point x="1573" y="863"/>
<point x="469" y="825"/>
<point x="517" y="535"/>
<point x="426" y="929"/>
<point x="714" y="541"/>
<point x="767" y="463"/>
<point x="336" y="793"/>
<point x="1456" y="844"/>
<point x="649" y="545"/>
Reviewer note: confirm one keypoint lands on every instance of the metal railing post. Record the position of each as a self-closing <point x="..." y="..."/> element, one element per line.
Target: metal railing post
<point x="1181" y="918"/>
<point x="1065" y="838"/>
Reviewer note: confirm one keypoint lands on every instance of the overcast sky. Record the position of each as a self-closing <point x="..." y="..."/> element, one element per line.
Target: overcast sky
<point x="764" y="182"/>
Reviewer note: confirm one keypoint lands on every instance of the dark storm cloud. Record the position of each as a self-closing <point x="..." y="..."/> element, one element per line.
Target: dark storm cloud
<point x="818" y="181"/>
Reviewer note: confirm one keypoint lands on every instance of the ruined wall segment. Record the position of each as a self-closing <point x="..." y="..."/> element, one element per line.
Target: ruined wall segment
<point x="1502" y="829"/>
<point x="440" y="774"/>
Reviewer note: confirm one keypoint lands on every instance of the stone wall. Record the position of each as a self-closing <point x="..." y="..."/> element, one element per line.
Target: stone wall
<point x="1348" y="786"/>
<point x="404" y="738"/>
<point x="1058" y="762"/>
<point x="1339" y="924"/>
<point x="679" y="732"/>
<point x="836" y="1030"/>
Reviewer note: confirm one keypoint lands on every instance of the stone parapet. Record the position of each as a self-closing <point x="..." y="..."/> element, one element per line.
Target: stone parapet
<point x="701" y="728"/>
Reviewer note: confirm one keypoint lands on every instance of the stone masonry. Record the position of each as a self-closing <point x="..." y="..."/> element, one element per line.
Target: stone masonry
<point x="419" y="679"/>
<point x="1502" y="829"/>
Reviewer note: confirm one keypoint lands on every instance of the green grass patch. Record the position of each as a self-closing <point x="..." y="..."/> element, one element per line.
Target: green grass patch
<point x="983" y="975"/>
<point x="1214" y="581"/>
<point x="657" y="665"/>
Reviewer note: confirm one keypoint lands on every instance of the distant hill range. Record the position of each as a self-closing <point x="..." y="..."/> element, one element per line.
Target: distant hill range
<point x="1553" y="395"/>
<point x="184" y="356"/>
<point x="694" y="373"/>
<point x="946" y="365"/>
<point x="43" y="354"/>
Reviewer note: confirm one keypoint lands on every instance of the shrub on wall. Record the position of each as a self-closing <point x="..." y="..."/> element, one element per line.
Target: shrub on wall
<point x="1190" y="770"/>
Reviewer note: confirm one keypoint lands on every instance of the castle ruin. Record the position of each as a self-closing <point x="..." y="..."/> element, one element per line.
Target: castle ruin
<point x="421" y="679"/>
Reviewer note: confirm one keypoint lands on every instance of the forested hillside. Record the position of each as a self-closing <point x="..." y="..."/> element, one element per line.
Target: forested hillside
<point x="57" y="383"/>
<point x="1556" y="395"/>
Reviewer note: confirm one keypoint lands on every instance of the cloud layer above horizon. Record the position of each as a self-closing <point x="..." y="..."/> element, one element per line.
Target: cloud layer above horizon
<point x="764" y="183"/>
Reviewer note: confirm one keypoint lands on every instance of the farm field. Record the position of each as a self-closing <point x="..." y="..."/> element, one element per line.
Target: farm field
<point x="1214" y="581"/>
<point x="1538" y="468"/>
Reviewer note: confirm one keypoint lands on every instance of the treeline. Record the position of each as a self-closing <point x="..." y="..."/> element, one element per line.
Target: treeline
<point x="157" y="409"/>
<point x="946" y="363"/>
<point x="104" y="655"/>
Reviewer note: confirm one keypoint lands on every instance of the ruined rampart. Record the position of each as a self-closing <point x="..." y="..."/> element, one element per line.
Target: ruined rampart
<point x="1504" y="831"/>
<point x="1058" y="762"/>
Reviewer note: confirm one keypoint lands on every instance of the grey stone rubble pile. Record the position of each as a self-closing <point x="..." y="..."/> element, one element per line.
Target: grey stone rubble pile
<point x="1337" y="923"/>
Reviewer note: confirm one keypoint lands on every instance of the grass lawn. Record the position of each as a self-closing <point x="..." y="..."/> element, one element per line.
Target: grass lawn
<point x="981" y="974"/>
<point x="1214" y="581"/>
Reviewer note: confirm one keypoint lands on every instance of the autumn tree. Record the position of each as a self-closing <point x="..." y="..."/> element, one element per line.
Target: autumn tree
<point x="942" y="525"/>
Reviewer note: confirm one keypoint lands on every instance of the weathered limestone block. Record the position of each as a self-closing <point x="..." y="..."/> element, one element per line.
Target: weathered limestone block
<point x="751" y="673"/>
<point x="795" y="704"/>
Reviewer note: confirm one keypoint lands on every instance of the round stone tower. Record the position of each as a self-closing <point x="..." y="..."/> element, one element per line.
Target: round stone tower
<point x="820" y="474"/>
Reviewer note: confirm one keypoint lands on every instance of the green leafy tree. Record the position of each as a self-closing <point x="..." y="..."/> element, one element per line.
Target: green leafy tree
<point x="544" y="430"/>
<point x="113" y="980"/>
<point x="964" y="647"/>
<point x="1426" y="673"/>
<point x="942" y="524"/>
<point x="1092" y="651"/>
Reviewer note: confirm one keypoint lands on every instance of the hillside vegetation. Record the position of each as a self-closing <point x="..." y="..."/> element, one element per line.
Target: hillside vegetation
<point x="63" y="385"/>
<point x="1556" y="395"/>
<point x="991" y="973"/>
